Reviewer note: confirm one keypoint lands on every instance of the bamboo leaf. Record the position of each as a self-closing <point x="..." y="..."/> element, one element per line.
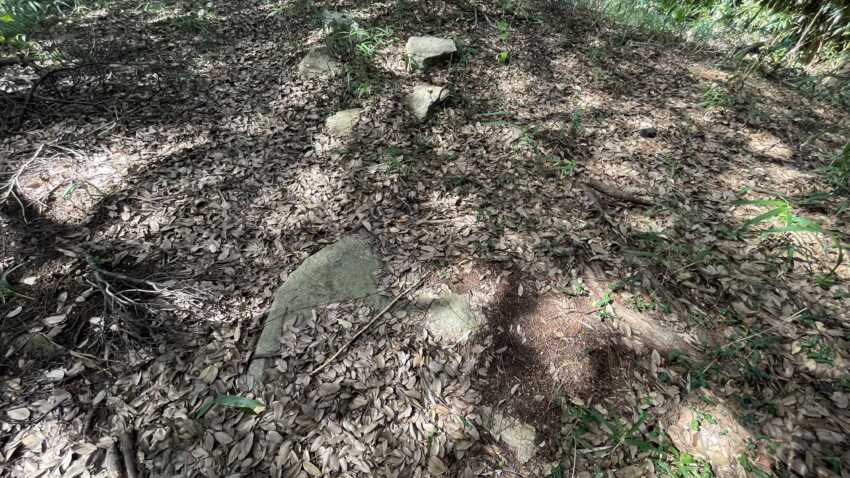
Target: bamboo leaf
<point x="247" y="405"/>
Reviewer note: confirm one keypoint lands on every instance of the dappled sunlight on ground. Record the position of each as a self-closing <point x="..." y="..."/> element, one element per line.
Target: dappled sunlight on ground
<point x="707" y="72"/>
<point x="225" y="180"/>
<point x="765" y="144"/>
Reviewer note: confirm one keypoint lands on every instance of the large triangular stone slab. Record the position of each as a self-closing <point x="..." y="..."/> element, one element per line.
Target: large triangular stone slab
<point x="342" y="271"/>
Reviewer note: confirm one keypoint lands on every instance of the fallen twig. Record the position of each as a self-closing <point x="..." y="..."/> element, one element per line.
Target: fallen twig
<point x="9" y="189"/>
<point x="622" y="195"/>
<point x="113" y="460"/>
<point x="128" y="452"/>
<point x="365" y="327"/>
<point x="104" y="281"/>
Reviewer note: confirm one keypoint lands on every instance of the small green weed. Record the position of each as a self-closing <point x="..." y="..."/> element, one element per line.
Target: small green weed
<point x="368" y="41"/>
<point x="69" y="190"/>
<point x="578" y="287"/>
<point x="620" y="432"/>
<point x="394" y="160"/>
<point x="837" y="173"/>
<point x="750" y="468"/>
<point x="782" y="211"/>
<point x="355" y="42"/>
<point x="565" y="167"/>
<point x="825" y="281"/>
<point x="364" y="89"/>
<point x="700" y="419"/>
<point x="504" y="32"/>
<point x="520" y="8"/>
<point x="641" y="304"/>
<point x="20" y="18"/>
<point x="576" y="123"/>
<point x="6" y="289"/>
<point x="819" y="351"/>
<point x="605" y="300"/>
<point x="639" y="434"/>
<point x="683" y="465"/>
<point x="503" y="27"/>
<point x="465" y="55"/>
<point x="716" y="96"/>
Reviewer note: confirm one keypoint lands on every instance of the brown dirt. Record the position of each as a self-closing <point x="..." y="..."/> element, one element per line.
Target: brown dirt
<point x="545" y="348"/>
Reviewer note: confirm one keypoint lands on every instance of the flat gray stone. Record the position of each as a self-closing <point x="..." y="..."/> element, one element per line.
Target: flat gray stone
<point x="342" y="271"/>
<point x="425" y="52"/>
<point x="318" y="63"/>
<point x="341" y="123"/>
<point x="519" y="437"/>
<point x="451" y="318"/>
<point x="423" y="98"/>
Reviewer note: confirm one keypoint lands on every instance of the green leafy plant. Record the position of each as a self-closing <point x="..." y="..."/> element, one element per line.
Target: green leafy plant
<point x="699" y="419"/>
<point x="348" y="42"/>
<point x="576" y="123"/>
<point x="715" y="96"/>
<point x="565" y="167"/>
<point x="6" y="289"/>
<point x="781" y="211"/>
<point x="20" y="18"/>
<point x="578" y="287"/>
<point x="683" y="465"/>
<point x="503" y="27"/>
<point x="504" y="32"/>
<point x="819" y="351"/>
<point x="245" y="405"/>
<point x="637" y="434"/>
<point x="605" y="300"/>
<point x="837" y="173"/>
<point x="363" y="89"/>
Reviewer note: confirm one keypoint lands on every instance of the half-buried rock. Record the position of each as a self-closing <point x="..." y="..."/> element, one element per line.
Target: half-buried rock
<point x="425" y="52"/>
<point x="423" y="99"/>
<point x="341" y="123"/>
<point x="451" y="318"/>
<point x="334" y="22"/>
<point x="519" y="437"/>
<point x="318" y="63"/>
<point x="342" y="271"/>
<point x="704" y="427"/>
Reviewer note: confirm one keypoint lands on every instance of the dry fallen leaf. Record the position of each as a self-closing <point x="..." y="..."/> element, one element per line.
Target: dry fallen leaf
<point x="312" y="469"/>
<point x="20" y="414"/>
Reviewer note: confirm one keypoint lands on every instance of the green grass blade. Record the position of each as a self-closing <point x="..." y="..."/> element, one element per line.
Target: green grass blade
<point x="764" y="217"/>
<point x="247" y="405"/>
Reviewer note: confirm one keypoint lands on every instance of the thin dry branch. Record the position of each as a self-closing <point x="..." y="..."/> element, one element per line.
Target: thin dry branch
<point x="621" y="194"/>
<point x="12" y="183"/>
<point x="128" y="452"/>
<point x="366" y="327"/>
<point x="122" y="291"/>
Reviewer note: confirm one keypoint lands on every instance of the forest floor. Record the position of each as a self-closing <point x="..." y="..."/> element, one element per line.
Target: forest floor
<point x="181" y="154"/>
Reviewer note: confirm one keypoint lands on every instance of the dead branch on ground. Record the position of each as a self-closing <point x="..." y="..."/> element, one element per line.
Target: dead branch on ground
<point x="128" y="452"/>
<point x="621" y="194"/>
<point x="129" y="298"/>
<point x="111" y="283"/>
<point x="12" y="183"/>
<point x="369" y="324"/>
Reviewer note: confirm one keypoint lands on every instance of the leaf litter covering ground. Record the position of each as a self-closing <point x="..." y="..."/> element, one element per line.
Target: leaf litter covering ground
<point x="224" y="180"/>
